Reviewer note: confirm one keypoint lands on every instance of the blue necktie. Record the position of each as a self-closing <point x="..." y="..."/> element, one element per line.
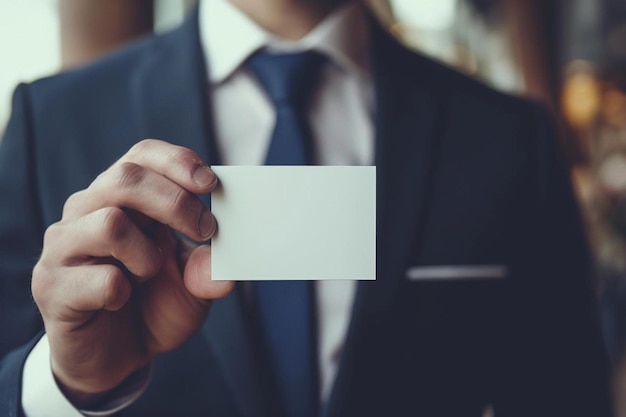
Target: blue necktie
<point x="284" y="308"/>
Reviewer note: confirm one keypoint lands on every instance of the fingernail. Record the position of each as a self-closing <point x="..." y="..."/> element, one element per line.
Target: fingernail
<point x="204" y="177"/>
<point x="207" y="224"/>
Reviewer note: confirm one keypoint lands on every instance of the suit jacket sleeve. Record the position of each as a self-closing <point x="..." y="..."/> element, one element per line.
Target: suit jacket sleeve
<point x="558" y="365"/>
<point x="21" y="231"/>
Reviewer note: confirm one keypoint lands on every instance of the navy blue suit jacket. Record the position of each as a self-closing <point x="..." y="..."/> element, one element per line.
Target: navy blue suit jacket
<point x="466" y="176"/>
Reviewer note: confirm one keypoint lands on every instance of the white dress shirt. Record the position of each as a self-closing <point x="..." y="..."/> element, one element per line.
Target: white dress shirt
<point x="340" y="117"/>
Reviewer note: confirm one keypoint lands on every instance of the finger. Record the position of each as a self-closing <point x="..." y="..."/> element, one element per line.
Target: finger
<point x="135" y="187"/>
<point x="197" y="276"/>
<point x="179" y="164"/>
<point x="67" y="293"/>
<point x="108" y="232"/>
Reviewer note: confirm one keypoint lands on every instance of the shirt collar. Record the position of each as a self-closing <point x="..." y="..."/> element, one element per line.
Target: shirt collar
<point x="228" y="37"/>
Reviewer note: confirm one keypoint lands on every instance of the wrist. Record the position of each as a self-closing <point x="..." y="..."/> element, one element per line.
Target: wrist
<point x="125" y="392"/>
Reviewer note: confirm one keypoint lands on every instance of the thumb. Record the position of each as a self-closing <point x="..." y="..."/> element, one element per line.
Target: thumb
<point x="197" y="276"/>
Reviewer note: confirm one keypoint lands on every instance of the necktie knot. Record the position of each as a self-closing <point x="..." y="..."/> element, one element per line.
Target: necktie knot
<point x="288" y="79"/>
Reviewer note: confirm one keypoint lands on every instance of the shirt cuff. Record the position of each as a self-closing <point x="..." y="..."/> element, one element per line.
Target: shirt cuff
<point x="41" y="396"/>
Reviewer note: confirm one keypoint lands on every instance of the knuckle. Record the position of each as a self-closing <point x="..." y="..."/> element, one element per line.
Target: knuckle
<point x="72" y="203"/>
<point x="115" y="224"/>
<point x="113" y="285"/>
<point x="41" y="283"/>
<point x="129" y="175"/>
<point x="180" y="202"/>
<point x="141" y="147"/>
<point x="52" y="236"/>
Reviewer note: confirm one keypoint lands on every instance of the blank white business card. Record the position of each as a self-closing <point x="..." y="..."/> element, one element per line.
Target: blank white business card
<point x="294" y="223"/>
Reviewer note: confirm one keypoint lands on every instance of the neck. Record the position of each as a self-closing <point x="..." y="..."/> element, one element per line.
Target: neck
<point x="288" y="19"/>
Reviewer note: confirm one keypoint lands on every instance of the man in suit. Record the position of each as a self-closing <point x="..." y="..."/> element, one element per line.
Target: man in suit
<point x="482" y="295"/>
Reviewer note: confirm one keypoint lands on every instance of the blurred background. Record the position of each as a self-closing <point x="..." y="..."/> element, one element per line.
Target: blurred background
<point x="570" y="54"/>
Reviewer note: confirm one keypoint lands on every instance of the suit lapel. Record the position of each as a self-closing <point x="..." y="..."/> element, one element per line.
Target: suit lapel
<point x="407" y="117"/>
<point x="171" y="92"/>
<point x="229" y="333"/>
<point x="171" y="98"/>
